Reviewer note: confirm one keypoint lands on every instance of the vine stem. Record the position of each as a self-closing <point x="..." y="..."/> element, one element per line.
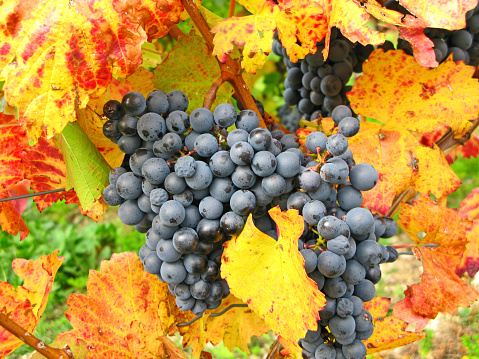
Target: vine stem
<point x="176" y="32"/>
<point x="447" y="143"/>
<point x="210" y="96"/>
<point x="230" y="69"/>
<point x="35" y="343"/>
<point x="231" y="11"/>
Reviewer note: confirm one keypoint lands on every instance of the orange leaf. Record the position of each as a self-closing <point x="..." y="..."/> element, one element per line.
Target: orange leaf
<point x="67" y="52"/>
<point x="25" y="304"/>
<point x="126" y="306"/>
<point x="441" y="290"/>
<point x="10" y="219"/>
<point x="264" y="272"/>
<point x="389" y="332"/>
<point x="423" y="168"/>
<point x="395" y="90"/>
<point x="469" y="208"/>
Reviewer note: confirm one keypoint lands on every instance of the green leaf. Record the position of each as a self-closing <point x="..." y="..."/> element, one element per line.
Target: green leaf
<point x="190" y="68"/>
<point x="87" y="170"/>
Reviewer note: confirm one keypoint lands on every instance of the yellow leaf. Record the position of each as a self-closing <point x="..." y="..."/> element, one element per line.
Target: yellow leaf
<point x="396" y="91"/>
<point x="56" y="55"/>
<point x="269" y="276"/>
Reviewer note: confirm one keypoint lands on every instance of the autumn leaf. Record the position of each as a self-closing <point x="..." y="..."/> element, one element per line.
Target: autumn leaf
<point x="440" y="290"/>
<point x="263" y="273"/>
<point x="26" y="304"/>
<point x="126" y="306"/>
<point x="67" y="52"/>
<point x="401" y="161"/>
<point x="469" y="209"/>
<point x="87" y="170"/>
<point x="235" y="327"/>
<point x="395" y="90"/>
<point x="190" y="68"/>
<point x="389" y="332"/>
<point x="299" y="21"/>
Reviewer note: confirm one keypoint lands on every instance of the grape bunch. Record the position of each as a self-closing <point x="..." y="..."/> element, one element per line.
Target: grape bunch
<point x="463" y="44"/>
<point x="189" y="184"/>
<point x="317" y="86"/>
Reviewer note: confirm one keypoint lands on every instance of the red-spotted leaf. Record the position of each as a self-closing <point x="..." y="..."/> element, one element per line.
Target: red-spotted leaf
<point x="126" y="306"/>
<point x="67" y="52"/>
<point x="440" y="290"/>
<point x="423" y="168"/>
<point x="395" y="90"/>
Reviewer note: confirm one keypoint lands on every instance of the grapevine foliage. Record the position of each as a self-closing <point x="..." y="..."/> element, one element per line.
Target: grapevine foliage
<point x="61" y="61"/>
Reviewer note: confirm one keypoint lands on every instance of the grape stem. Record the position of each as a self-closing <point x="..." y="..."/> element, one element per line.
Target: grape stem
<point x="35" y="343"/>
<point x="210" y="96"/>
<point x="447" y="144"/>
<point x="230" y="69"/>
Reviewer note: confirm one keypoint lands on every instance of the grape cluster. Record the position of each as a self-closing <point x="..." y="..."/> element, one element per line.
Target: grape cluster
<point x="463" y="44"/>
<point x="190" y="185"/>
<point x="317" y="86"/>
<point x="344" y="258"/>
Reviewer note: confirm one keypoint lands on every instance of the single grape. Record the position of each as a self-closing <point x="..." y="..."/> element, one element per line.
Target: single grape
<point x="202" y="120"/>
<point x="206" y="145"/>
<point x="173" y="273"/>
<point x="152" y="264"/>
<point x="157" y="102"/>
<point x="166" y="251"/>
<point x="242" y="202"/>
<point x="128" y="125"/>
<point x="177" y="100"/>
<point x="155" y="170"/>
<point x="185" y="166"/>
<point x="202" y="177"/>
<point x="363" y="177"/>
<point x="210" y="208"/>
<point x="331" y="265"/>
<point x="172" y="213"/>
<point x="185" y="240"/>
<point x="134" y="103"/>
<point x="225" y="115"/>
<point x="113" y="110"/>
<point x="129" y="144"/>
<point x="111" y="196"/>
<point x="221" y="164"/>
<point x="178" y="122"/>
<point x="247" y="120"/>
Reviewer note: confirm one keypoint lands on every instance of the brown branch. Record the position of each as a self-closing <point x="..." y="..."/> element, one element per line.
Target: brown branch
<point x="230" y="69"/>
<point x="210" y="96"/>
<point x="447" y="143"/>
<point x="35" y="343"/>
<point x="231" y="11"/>
<point x="275" y="350"/>
<point x="176" y="32"/>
